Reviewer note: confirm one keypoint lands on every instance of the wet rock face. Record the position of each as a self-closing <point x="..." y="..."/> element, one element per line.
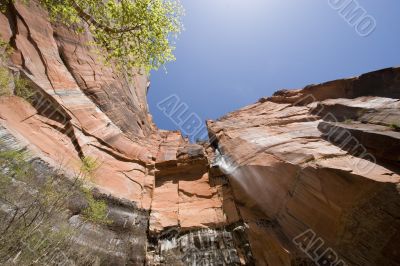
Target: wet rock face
<point x="122" y="242"/>
<point x="182" y="195"/>
<point x="203" y="247"/>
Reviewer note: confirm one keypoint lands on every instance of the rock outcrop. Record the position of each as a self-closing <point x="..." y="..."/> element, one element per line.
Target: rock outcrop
<point x="325" y="159"/>
<point x="319" y="163"/>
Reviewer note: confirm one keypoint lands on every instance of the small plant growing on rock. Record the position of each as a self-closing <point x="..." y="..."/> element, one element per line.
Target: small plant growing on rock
<point x="89" y="165"/>
<point x="395" y="127"/>
<point x="5" y="81"/>
<point x="5" y="49"/>
<point x="22" y="89"/>
<point x="5" y="76"/>
<point x="96" y="210"/>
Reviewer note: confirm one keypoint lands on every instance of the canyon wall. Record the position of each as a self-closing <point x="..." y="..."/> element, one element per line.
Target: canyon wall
<point x="319" y="163"/>
<point x="157" y="185"/>
<point x="315" y="172"/>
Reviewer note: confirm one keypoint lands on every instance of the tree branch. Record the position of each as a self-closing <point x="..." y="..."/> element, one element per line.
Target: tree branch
<point x="90" y="20"/>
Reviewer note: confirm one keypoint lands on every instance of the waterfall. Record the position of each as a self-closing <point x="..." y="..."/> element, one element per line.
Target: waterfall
<point x="250" y="179"/>
<point x="225" y="163"/>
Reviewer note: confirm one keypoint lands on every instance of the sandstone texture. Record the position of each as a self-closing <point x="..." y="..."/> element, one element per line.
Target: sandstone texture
<point x="324" y="158"/>
<point x="152" y="179"/>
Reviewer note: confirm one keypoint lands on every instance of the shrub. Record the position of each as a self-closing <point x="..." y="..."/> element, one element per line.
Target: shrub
<point x="5" y="81"/>
<point x="5" y="76"/>
<point x="22" y="89"/>
<point x="34" y="228"/>
<point x="28" y="230"/>
<point x="96" y="211"/>
<point x="89" y="165"/>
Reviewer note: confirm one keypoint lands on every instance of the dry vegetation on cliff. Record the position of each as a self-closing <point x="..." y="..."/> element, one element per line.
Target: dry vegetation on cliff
<point x="34" y="211"/>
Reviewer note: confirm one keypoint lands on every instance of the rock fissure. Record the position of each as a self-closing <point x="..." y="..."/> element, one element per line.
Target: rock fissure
<point x="34" y="43"/>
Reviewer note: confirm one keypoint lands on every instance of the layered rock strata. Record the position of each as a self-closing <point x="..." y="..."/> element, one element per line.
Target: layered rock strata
<point x="325" y="159"/>
<point x="153" y="180"/>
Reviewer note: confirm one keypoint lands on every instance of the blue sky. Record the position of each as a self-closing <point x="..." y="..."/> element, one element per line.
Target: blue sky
<point x="234" y="52"/>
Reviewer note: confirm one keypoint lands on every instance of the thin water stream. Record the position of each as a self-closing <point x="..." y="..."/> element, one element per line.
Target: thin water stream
<point x="251" y="180"/>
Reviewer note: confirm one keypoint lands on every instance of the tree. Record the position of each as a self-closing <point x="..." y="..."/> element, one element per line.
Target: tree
<point x="134" y="33"/>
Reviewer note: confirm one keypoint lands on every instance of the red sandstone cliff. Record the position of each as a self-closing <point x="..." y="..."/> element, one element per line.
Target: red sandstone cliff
<point x="324" y="158"/>
<point x="290" y="161"/>
<point x="83" y="108"/>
